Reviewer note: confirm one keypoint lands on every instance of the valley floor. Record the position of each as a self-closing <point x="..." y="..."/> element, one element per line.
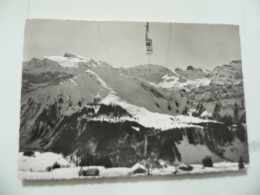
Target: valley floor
<point x="34" y="168"/>
<point x="72" y="172"/>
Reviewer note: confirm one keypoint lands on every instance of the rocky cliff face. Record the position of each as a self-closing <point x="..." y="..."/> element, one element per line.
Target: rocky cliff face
<point x="228" y="74"/>
<point x="76" y="106"/>
<point x="219" y="92"/>
<point x="192" y="73"/>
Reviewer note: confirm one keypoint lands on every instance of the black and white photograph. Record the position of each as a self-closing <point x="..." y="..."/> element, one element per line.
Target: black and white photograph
<point x="104" y="99"/>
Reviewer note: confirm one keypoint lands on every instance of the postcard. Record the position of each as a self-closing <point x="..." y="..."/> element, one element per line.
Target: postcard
<point x="104" y="99"/>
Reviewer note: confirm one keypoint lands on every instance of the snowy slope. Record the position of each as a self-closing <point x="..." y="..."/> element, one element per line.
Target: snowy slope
<point x="154" y="120"/>
<point x="150" y="72"/>
<point x="141" y="93"/>
<point x="41" y="161"/>
<point x="72" y="99"/>
<point x="65" y="61"/>
<point x="174" y="82"/>
<point x="195" y="153"/>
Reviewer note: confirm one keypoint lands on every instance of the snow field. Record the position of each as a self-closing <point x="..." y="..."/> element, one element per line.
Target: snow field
<point x="34" y="168"/>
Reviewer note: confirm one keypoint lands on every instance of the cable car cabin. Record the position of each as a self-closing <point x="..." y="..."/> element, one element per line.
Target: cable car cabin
<point x="148" y="42"/>
<point x="149" y="46"/>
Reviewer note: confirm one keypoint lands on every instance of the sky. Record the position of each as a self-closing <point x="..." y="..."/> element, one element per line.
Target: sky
<point x="122" y="44"/>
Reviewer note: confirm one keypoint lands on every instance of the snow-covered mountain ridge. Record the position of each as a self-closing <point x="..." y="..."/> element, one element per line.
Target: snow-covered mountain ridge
<point x="68" y="99"/>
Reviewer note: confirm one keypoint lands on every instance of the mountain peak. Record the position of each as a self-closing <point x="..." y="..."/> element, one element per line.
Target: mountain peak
<point x="235" y="62"/>
<point x="191" y="73"/>
<point x="193" y="68"/>
<point x="72" y="55"/>
<point x="148" y="72"/>
<point x="228" y="73"/>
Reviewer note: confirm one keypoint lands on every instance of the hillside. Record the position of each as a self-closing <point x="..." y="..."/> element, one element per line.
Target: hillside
<point x="78" y="106"/>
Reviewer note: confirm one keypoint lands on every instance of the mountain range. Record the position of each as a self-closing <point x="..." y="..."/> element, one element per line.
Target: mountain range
<point x="78" y="106"/>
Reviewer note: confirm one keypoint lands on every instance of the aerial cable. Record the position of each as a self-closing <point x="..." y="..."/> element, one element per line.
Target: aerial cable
<point x="89" y="43"/>
<point x="169" y="45"/>
<point x="104" y="43"/>
<point x="148" y="41"/>
<point x="96" y="42"/>
<point x="149" y="68"/>
<point x="148" y="47"/>
<point x="89" y="40"/>
<point x="70" y="30"/>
